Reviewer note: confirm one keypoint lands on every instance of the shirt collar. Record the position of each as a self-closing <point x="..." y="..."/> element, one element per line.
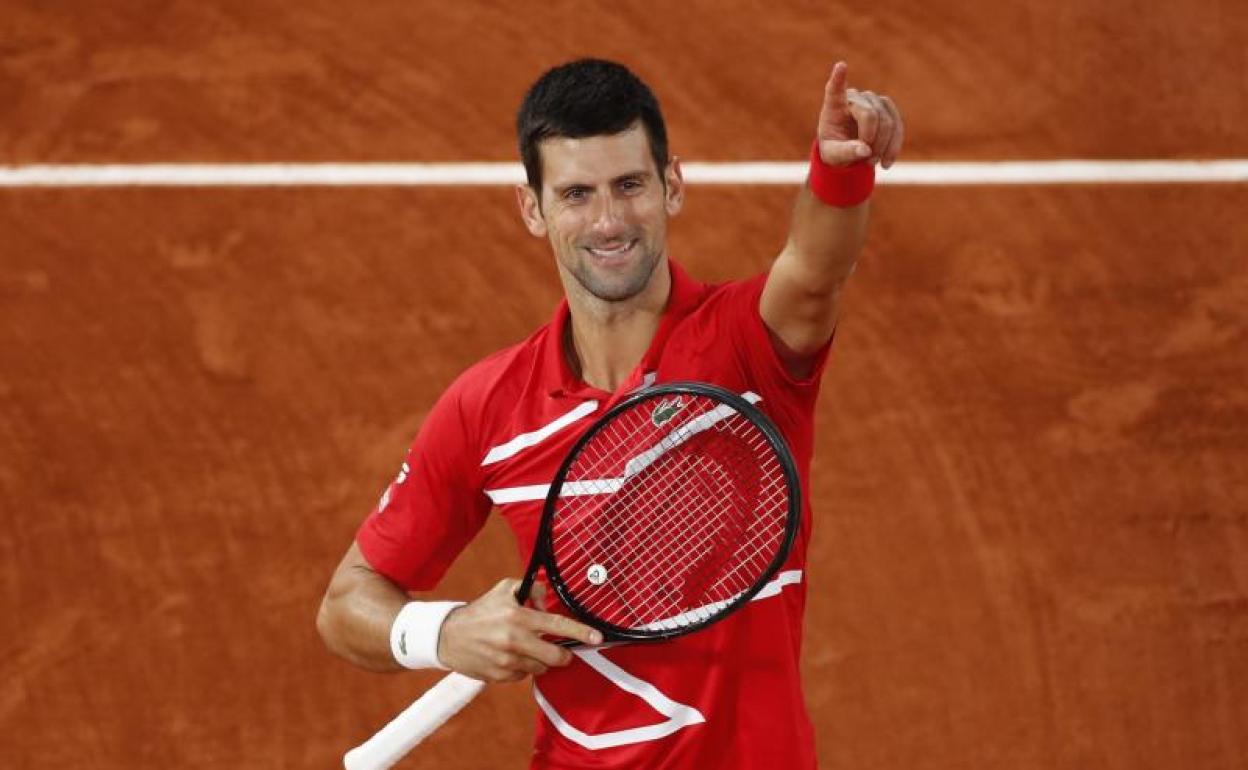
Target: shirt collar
<point x="685" y="295"/>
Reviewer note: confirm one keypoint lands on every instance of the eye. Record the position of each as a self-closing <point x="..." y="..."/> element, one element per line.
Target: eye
<point x="575" y="194"/>
<point x="630" y="185"/>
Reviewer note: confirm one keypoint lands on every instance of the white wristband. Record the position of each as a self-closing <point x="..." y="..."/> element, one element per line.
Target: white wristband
<point x="414" y="635"/>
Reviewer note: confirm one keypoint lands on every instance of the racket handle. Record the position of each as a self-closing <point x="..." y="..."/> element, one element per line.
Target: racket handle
<point x="429" y="712"/>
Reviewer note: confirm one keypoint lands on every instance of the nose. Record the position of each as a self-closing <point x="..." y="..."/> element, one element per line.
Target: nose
<point x="606" y="216"/>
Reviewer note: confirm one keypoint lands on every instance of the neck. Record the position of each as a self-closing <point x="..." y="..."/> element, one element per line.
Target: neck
<point x="605" y="341"/>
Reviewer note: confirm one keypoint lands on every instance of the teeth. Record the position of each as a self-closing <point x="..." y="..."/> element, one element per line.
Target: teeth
<point x="613" y="252"/>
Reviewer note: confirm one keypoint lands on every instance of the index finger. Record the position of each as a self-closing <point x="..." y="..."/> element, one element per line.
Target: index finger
<point x="834" y="91"/>
<point x="560" y="625"/>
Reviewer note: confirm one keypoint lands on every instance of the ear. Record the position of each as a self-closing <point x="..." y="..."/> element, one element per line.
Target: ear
<point x="675" y="179"/>
<point x="530" y="210"/>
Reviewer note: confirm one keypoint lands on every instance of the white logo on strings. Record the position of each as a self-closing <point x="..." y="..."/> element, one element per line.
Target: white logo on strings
<point x="596" y="574"/>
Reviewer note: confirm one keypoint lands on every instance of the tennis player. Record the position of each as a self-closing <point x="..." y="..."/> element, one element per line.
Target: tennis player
<point x="601" y="188"/>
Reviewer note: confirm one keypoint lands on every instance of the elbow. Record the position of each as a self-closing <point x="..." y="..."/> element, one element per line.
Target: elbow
<point x="347" y="624"/>
<point x="807" y="325"/>
<point x="326" y="627"/>
<point x="331" y="627"/>
<point x="333" y="621"/>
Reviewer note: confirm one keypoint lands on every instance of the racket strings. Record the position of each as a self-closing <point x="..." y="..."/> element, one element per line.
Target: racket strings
<point x="727" y="570"/>
<point x="680" y="556"/>
<point x="712" y="526"/>
<point x="736" y="548"/>
<point x="600" y="463"/>
<point x="630" y="497"/>
<point x="698" y="471"/>
<point x="685" y="572"/>
<point x="574" y="515"/>
<point x="594" y="458"/>
<point x="698" y="521"/>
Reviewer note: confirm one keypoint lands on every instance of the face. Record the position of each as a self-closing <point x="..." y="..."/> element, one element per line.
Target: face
<point x="604" y="207"/>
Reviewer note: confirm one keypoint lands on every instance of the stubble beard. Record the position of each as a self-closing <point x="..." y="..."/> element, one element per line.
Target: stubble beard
<point x="617" y="288"/>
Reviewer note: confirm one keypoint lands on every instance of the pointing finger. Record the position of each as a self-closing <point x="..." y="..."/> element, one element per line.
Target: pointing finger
<point x="834" y="114"/>
<point x="834" y="92"/>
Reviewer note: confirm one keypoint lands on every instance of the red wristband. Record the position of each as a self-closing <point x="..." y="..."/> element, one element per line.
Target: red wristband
<point x="842" y="186"/>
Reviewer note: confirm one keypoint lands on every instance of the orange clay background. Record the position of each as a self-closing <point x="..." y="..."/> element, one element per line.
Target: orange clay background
<point x="1031" y="482"/>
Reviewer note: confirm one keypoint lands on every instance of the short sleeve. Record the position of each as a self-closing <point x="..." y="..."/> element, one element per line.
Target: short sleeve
<point x="435" y="506"/>
<point x="755" y="346"/>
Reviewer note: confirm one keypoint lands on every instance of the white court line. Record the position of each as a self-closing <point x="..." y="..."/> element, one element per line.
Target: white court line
<point x="473" y="174"/>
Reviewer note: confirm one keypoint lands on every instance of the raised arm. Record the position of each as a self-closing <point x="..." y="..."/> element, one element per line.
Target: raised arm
<point x="800" y="299"/>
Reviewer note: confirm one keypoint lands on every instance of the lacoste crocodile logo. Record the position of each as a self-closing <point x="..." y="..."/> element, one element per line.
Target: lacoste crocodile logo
<point x="666" y="410"/>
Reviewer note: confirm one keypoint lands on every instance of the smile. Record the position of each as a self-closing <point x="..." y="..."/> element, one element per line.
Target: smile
<point x="613" y="253"/>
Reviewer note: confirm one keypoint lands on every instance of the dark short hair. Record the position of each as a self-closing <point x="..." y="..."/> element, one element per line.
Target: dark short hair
<point x="586" y="97"/>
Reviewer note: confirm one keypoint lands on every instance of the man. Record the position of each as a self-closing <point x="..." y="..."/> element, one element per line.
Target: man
<point x="601" y="187"/>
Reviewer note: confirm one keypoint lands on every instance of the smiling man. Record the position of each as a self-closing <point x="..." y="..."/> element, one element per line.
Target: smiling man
<point x="601" y="188"/>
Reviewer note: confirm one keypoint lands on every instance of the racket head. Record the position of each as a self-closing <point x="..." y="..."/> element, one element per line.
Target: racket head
<point x="672" y="511"/>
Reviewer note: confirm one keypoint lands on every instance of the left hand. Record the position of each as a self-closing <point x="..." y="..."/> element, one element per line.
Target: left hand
<point x="855" y="125"/>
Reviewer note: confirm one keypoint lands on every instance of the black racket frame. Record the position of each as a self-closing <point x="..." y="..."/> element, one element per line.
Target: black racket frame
<point x="543" y="555"/>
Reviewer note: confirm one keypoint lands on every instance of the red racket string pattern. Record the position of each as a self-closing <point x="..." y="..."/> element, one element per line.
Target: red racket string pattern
<point x="669" y="515"/>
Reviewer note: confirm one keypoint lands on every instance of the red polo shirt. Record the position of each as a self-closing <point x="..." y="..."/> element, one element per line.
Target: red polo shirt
<point x="727" y="697"/>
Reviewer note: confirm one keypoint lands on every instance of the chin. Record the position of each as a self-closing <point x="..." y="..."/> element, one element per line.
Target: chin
<point x="614" y="291"/>
<point x="615" y="287"/>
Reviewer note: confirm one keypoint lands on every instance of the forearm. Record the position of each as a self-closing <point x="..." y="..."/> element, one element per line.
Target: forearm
<point x="493" y="638"/>
<point x="356" y="616"/>
<point x="824" y="242"/>
<point x="801" y="298"/>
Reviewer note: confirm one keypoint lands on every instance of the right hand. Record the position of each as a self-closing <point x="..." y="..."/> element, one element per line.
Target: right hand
<point x="854" y="124"/>
<point x="494" y="639"/>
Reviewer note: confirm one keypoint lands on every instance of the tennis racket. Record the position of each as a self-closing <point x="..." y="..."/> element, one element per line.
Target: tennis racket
<point x="671" y="511"/>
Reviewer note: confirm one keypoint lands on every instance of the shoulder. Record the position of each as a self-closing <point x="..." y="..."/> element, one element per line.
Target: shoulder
<point x="499" y="381"/>
<point x="729" y="300"/>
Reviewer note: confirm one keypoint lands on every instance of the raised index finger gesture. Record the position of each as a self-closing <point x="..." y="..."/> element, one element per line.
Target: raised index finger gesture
<point x="854" y="125"/>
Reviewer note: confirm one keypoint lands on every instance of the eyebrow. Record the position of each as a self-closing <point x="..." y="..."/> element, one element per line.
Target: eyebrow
<point x="639" y="174"/>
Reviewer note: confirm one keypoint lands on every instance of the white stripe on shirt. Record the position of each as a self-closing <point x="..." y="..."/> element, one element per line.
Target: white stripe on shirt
<point x="526" y="440"/>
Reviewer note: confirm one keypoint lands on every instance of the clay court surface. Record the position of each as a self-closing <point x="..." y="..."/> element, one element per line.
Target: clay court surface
<point x="1031" y="482"/>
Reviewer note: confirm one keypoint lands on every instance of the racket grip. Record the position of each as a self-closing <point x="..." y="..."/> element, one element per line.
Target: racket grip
<point x="429" y="712"/>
